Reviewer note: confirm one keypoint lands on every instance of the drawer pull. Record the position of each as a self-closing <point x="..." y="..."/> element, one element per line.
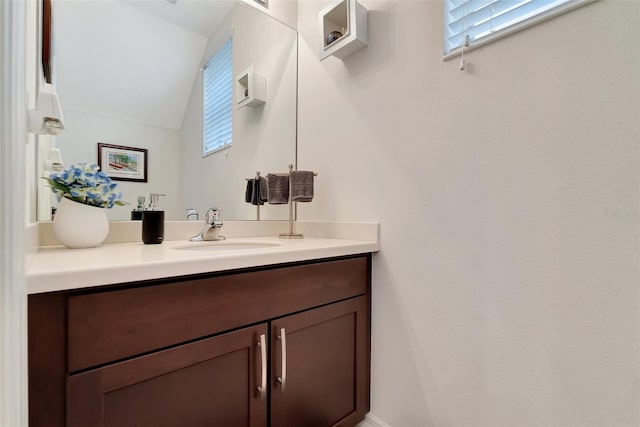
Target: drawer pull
<point x="283" y="345"/>
<point x="263" y="364"/>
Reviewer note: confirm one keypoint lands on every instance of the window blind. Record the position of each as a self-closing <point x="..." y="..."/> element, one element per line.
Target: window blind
<point x="217" y="84"/>
<point x="483" y="20"/>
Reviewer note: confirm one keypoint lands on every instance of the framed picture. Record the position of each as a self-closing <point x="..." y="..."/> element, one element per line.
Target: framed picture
<point x="123" y="163"/>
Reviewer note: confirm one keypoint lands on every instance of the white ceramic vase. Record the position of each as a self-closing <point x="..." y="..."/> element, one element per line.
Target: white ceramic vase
<point x="77" y="225"/>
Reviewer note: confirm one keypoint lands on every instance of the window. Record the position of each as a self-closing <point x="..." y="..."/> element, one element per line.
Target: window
<point x="486" y="20"/>
<point x="217" y="87"/>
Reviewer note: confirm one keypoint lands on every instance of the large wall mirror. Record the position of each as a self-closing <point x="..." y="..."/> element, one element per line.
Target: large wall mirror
<point x="129" y="73"/>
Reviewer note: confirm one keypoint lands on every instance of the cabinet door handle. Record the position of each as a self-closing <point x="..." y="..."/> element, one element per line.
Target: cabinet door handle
<point x="262" y="344"/>
<point x="283" y="345"/>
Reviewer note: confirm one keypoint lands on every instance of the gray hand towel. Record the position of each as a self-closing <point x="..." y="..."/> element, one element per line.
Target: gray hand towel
<point x="248" y="192"/>
<point x="257" y="196"/>
<point x="278" y="186"/>
<point x="264" y="191"/>
<point x="301" y="186"/>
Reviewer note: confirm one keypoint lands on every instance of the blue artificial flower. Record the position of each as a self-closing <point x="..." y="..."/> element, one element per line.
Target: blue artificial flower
<point x="75" y="192"/>
<point x="85" y="183"/>
<point x="94" y="195"/>
<point x="68" y="176"/>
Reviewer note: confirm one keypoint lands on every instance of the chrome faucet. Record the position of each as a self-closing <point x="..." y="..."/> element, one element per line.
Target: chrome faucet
<point x="212" y="226"/>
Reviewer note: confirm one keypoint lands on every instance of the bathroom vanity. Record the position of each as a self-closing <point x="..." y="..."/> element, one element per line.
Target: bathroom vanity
<point x="281" y="344"/>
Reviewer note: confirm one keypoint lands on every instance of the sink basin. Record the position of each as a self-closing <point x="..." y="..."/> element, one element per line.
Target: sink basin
<point x="225" y="246"/>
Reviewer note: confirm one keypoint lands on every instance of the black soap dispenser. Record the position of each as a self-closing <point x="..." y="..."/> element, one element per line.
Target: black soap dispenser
<point x="153" y="221"/>
<point x="136" y="214"/>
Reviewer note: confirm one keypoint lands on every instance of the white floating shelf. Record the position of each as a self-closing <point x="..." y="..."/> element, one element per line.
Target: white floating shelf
<point x="344" y="29"/>
<point x="251" y="89"/>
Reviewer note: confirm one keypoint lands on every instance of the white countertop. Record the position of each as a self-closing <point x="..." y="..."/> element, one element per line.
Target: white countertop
<point x="56" y="268"/>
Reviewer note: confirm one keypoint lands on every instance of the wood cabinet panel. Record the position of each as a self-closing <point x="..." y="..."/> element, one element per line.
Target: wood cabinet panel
<point x="327" y="377"/>
<point x="209" y="382"/>
<point x="47" y="361"/>
<point x="114" y="325"/>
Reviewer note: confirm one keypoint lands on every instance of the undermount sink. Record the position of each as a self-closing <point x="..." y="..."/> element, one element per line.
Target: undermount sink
<point x="225" y="246"/>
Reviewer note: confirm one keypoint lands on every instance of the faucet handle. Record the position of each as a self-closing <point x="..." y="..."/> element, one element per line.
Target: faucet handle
<point x="192" y="214"/>
<point x="212" y="217"/>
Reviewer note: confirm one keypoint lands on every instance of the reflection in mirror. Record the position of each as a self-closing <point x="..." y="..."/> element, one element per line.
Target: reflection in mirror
<point x="129" y="73"/>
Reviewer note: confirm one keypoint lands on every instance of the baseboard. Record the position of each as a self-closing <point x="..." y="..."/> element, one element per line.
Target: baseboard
<point x="373" y="421"/>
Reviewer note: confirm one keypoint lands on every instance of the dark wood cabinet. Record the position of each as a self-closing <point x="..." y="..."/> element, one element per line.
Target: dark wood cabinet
<point x="278" y="346"/>
<point x="320" y="365"/>
<point x="211" y="382"/>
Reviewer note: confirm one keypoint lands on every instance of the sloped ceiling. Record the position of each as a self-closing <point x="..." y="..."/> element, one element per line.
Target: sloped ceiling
<point x="132" y="60"/>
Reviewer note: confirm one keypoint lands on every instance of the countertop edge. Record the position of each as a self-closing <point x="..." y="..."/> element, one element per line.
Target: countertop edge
<point x="164" y="261"/>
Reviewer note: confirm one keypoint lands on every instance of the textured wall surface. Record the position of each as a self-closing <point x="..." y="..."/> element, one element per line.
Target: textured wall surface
<point x="506" y="292"/>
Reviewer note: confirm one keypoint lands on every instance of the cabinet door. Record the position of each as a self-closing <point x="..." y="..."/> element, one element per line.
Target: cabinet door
<point x="320" y="366"/>
<point x="211" y="382"/>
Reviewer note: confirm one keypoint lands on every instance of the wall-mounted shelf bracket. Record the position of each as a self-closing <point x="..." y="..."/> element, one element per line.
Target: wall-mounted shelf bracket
<point x="343" y="26"/>
<point x="251" y="89"/>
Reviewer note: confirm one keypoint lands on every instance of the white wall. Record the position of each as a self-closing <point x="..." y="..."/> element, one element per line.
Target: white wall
<point x="264" y="137"/>
<point x="79" y="143"/>
<point x="506" y="292"/>
<point x="116" y="60"/>
<point x="285" y="11"/>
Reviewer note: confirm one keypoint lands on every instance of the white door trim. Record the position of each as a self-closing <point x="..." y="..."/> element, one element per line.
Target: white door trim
<point x="13" y="137"/>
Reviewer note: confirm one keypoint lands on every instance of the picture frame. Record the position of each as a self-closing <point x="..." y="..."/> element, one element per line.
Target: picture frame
<point x="123" y="163"/>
